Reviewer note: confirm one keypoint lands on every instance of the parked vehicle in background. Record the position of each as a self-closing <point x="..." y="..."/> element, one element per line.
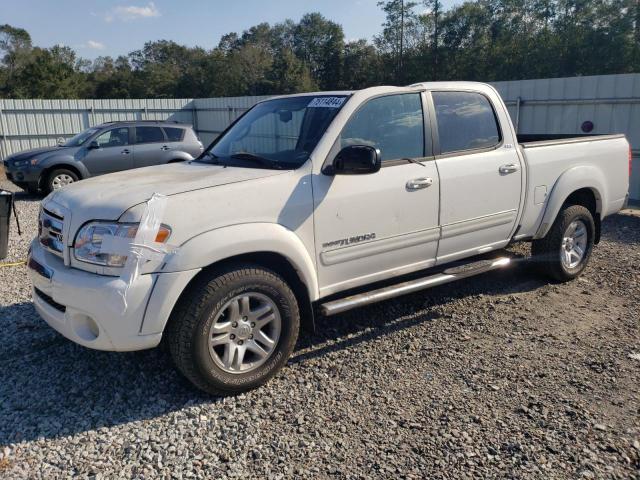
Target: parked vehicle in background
<point x="106" y="148"/>
<point x="318" y="201"/>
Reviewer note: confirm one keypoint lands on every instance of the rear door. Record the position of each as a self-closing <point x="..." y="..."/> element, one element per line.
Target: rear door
<point x="376" y="226"/>
<point x="114" y="152"/>
<point x="178" y="142"/>
<point x="480" y="173"/>
<point x="150" y="146"/>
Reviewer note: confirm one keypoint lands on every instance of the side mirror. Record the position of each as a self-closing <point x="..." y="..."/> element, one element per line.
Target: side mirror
<point x="93" y="145"/>
<point x="60" y="141"/>
<point x="355" y="160"/>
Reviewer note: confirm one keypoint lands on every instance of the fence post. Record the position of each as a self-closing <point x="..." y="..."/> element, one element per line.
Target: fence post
<point x="2" y="155"/>
<point x="517" y="122"/>
<point x="194" y="116"/>
<point x="93" y="116"/>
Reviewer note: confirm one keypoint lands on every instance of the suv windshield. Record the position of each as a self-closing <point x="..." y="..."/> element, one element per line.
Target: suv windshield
<point x="80" y="138"/>
<point x="278" y="134"/>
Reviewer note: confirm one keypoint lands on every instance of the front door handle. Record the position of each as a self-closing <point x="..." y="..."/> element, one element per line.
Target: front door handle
<point x="126" y="151"/>
<point x="418" y="183"/>
<point x="164" y="147"/>
<point x="508" y="168"/>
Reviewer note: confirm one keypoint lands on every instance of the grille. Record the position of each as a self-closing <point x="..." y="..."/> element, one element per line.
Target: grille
<point x="50" y="232"/>
<point x="50" y="301"/>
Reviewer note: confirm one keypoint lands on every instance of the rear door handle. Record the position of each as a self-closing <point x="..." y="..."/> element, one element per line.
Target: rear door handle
<point x="126" y="151"/>
<point x="508" y="168"/>
<point x="164" y="147"/>
<point x="418" y="183"/>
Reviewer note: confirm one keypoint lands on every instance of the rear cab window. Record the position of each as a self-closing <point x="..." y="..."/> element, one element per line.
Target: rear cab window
<point x="466" y="121"/>
<point x="149" y="135"/>
<point x="174" y="134"/>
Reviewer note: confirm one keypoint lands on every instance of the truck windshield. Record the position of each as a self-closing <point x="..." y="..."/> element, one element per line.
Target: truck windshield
<point x="276" y="134"/>
<point x="80" y="138"/>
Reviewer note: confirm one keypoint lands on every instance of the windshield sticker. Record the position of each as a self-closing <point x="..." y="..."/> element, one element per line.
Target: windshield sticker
<point x="327" y="102"/>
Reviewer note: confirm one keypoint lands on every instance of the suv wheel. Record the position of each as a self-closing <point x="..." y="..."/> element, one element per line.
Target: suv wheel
<point x="565" y="251"/>
<point x="60" y="177"/>
<point x="234" y="329"/>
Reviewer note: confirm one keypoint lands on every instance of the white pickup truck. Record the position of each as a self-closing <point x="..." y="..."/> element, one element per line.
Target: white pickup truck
<point x="315" y="202"/>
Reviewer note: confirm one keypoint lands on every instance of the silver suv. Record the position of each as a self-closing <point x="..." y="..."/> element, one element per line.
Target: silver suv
<point x="106" y="148"/>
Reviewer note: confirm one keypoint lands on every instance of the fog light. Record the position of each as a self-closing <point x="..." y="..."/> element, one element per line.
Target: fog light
<point x="85" y="327"/>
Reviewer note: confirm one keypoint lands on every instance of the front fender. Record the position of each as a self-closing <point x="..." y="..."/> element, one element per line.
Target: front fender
<point x="573" y="179"/>
<point x="61" y="161"/>
<point x="222" y="243"/>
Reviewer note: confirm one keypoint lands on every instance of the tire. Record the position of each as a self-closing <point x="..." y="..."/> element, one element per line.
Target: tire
<point x="552" y="254"/>
<point x="210" y="308"/>
<point x="59" y="178"/>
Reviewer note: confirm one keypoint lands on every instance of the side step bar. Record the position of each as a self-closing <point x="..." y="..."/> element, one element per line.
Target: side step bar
<point x="447" y="276"/>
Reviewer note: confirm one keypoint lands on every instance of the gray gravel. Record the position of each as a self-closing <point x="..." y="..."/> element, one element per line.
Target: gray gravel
<point x="503" y="375"/>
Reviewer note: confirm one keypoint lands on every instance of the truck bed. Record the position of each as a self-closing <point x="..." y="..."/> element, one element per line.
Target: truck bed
<point x="598" y="161"/>
<point x="528" y="140"/>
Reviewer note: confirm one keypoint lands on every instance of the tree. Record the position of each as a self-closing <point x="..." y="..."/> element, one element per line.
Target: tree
<point x="361" y="66"/>
<point x="420" y="40"/>
<point x="399" y="32"/>
<point x="15" y="48"/>
<point x="289" y="74"/>
<point x="319" y="43"/>
<point x="50" y="73"/>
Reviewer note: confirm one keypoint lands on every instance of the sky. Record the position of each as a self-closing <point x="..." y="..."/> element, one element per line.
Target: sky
<point x="106" y="27"/>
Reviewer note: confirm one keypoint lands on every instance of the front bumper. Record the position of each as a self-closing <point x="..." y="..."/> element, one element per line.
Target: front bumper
<point x="22" y="175"/>
<point x="82" y="306"/>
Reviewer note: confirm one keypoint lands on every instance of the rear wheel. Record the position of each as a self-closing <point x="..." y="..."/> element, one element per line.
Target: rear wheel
<point x="234" y="329"/>
<point x="565" y="251"/>
<point x="59" y="178"/>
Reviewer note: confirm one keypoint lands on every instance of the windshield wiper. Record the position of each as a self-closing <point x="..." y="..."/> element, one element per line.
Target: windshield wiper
<point x="265" y="162"/>
<point x="212" y="156"/>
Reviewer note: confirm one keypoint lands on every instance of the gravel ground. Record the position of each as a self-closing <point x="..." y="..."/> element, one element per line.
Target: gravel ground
<point x="502" y="375"/>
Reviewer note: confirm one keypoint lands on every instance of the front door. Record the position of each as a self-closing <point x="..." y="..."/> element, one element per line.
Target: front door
<point x="374" y="226"/>
<point x="113" y="152"/>
<point x="480" y="174"/>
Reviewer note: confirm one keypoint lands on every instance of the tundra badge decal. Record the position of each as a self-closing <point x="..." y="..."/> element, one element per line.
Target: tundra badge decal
<point x="343" y="242"/>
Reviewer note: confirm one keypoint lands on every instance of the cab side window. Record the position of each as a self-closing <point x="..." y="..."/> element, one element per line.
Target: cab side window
<point x="149" y="135"/>
<point x="174" y="134"/>
<point x="466" y="121"/>
<point x="116" y="137"/>
<point x="394" y="124"/>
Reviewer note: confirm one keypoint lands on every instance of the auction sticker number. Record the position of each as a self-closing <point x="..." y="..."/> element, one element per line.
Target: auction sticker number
<point x="327" y="102"/>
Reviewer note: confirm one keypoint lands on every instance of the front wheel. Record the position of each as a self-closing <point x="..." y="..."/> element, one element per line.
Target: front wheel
<point x="234" y="329"/>
<point x="565" y="251"/>
<point x="59" y="178"/>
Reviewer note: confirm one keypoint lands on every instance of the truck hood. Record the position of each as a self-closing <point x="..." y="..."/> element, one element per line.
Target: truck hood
<point x="107" y="197"/>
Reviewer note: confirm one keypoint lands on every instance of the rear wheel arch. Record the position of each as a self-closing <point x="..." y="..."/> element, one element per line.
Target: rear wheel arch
<point x="582" y="185"/>
<point x="591" y="200"/>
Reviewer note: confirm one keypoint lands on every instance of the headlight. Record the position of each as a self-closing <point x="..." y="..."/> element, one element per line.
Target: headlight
<point x="89" y="241"/>
<point x="22" y="163"/>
